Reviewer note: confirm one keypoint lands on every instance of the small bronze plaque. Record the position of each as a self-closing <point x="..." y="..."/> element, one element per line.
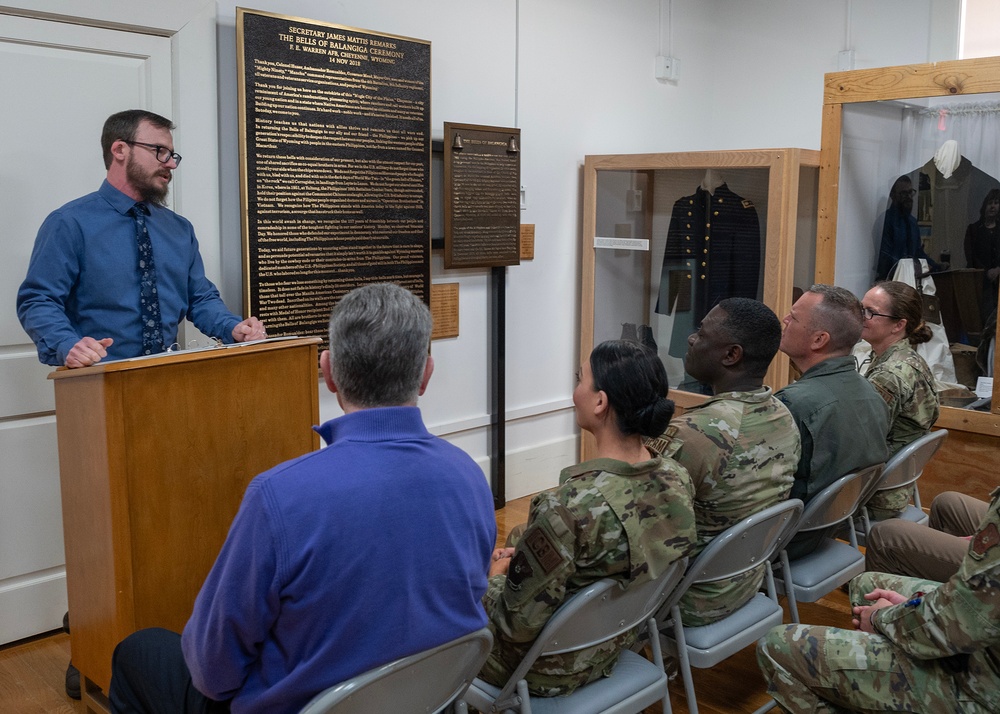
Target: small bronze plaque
<point x="482" y="196"/>
<point x="444" y="310"/>
<point x="527" y="241"/>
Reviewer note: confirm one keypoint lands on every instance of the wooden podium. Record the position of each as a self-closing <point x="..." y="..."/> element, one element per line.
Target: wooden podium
<point x="154" y="456"/>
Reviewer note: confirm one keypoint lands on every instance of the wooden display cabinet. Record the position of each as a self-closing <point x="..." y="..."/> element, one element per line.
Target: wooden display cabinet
<point x="627" y="208"/>
<point x="967" y="460"/>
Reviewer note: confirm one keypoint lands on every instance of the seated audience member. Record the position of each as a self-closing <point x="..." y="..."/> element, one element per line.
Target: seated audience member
<point x="907" y="548"/>
<point x="741" y="446"/>
<point x="842" y="420"/>
<point x="922" y="646"/>
<point x="320" y="578"/>
<point x="894" y="323"/>
<point x="626" y="514"/>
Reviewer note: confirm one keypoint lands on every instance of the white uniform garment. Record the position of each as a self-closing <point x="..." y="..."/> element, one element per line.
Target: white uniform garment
<point x="936" y="352"/>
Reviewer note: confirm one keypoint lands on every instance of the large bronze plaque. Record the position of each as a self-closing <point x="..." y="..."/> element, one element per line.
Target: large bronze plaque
<point x="335" y="151"/>
<point x="482" y="196"/>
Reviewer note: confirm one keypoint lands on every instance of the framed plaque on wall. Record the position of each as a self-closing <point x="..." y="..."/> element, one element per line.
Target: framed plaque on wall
<point x="482" y="196"/>
<point x="335" y="153"/>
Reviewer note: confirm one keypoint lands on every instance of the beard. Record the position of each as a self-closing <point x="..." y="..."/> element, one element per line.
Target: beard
<point x="143" y="182"/>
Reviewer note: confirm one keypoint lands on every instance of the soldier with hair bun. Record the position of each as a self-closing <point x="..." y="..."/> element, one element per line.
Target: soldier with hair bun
<point x="626" y="514"/>
<point x="893" y="313"/>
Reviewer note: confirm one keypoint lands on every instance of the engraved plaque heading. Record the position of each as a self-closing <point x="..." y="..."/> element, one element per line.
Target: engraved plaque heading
<point x="335" y="151"/>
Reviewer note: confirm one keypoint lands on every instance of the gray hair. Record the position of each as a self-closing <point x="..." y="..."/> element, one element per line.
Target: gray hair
<point x="839" y="315"/>
<point x="379" y="339"/>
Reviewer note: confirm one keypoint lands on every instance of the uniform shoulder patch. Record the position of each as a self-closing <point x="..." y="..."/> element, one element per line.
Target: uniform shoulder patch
<point x="545" y="552"/>
<point x="658" y="445"/>
<point x="985" y="539"/>
<point x="519" y="571"/>
<point x="747" y="203"/>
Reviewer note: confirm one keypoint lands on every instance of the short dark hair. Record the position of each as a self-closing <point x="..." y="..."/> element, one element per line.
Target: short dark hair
<point x="635" y="381"/>
<point x="379" y="339"/>
<point x="753" y="326"/>
<point x="839" y="315"/>
<point x="907" y="303"/>
<point x="123" y="125"/>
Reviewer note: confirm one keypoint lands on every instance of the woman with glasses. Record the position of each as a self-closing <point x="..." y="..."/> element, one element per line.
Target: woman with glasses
<point x="893" y="324"/>
<point x="626" y="514"/>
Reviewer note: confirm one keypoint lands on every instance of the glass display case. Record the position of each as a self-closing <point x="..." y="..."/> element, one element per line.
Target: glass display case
<point x="910" y="169"/>
<point x="666" y="236"/>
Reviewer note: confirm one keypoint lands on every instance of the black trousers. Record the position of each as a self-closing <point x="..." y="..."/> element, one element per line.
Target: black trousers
<point x="149" y="676"/>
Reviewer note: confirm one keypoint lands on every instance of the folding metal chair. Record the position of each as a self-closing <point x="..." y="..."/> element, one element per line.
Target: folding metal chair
<point x="598" y="613"/>
<point x="428" y="681"/>
<point x="740" y="548"/>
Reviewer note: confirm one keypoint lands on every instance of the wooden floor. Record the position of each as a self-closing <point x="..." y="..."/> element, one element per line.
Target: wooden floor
<point x="32" y="671"/>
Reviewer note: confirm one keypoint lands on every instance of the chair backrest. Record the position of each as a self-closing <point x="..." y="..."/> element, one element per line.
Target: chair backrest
<point x="744" y="545"/>
<point x="427" y="681"/>
<point x="597" y="613"/>
<point x="839" y="500"/>
<point x="908" y="463"/>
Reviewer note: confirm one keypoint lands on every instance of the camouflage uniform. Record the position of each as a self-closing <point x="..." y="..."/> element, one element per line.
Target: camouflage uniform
<point x="741" y="449"/>
<point x="905" y="382"/>
<point x="606" y="519"/>
<point x="939" y="652"/>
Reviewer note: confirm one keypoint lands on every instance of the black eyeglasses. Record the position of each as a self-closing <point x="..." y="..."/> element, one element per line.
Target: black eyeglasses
<point x="163" y="154"/>
<point x="869" y="314"/>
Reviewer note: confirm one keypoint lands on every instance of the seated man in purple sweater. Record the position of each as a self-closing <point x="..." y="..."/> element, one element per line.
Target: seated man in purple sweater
<point x="371" y="549"/>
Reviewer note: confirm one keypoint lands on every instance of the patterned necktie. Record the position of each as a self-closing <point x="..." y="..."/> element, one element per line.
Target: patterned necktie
<point x="149" y="301"/>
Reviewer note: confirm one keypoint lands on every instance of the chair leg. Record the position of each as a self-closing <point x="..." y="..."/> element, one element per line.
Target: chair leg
<point x="766" y="708"/>
<point x="522" y="690"/>
<point x="866" y="524"/>
<point x="684" y="660"/>
<point x="654" y="644"/>
<point x="786" y="576"/>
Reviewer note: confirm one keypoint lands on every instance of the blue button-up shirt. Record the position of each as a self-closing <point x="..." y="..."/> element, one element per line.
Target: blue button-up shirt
<point x="83" y="278"/>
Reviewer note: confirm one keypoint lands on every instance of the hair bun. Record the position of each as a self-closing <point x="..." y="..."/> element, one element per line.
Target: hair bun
<point x="652" y="419"/>
<point x="921" y="334"/>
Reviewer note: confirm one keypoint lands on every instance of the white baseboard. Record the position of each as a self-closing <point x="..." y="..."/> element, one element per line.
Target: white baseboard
<point x="32" y="604"/>
<point x="536" y="469"/>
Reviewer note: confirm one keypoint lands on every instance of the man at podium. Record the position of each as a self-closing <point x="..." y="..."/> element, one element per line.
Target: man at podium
<point x="112" y="274"/>
<point x="371" y="549"/>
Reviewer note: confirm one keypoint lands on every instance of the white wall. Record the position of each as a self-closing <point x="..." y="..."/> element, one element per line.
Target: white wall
<point x="760" y="63"/>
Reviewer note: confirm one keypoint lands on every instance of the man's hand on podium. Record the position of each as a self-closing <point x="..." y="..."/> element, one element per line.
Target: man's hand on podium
<point x="249" y="330"/>
<point x="88" y="351"/>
